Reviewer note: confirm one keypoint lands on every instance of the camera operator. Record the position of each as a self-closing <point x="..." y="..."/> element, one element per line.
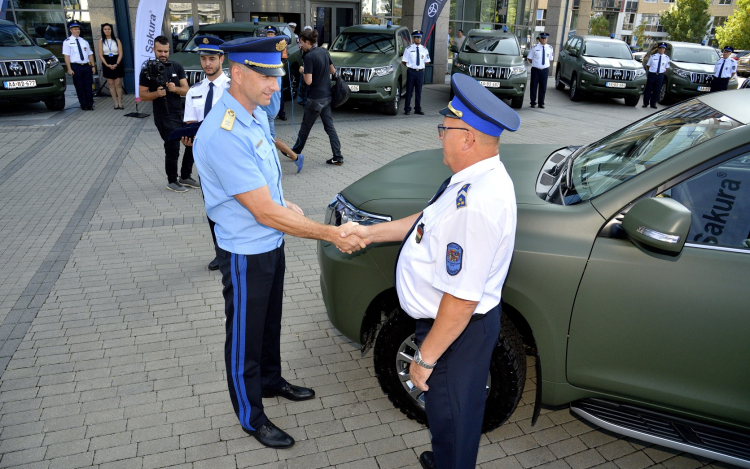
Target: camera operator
<point x="164" y="83"/>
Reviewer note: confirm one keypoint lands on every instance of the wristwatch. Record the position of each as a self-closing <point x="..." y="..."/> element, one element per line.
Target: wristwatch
<point x="418" y="360"/>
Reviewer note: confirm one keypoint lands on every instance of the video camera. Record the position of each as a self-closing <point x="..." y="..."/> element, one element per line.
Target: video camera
<point x="156" y="70"/>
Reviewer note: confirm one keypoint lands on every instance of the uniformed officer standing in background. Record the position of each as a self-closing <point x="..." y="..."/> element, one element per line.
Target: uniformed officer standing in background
<point x="415" y="57"/>
<point x="241" y="179"/>
<point x="541" y="57"/>
<point x="724" y="70"/>
<point x="451" y="268"/>
<point x="79" y="58"/>
<point x="656" y="66"/>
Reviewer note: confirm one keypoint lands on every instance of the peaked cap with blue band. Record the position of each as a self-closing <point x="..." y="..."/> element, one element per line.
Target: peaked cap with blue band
<point x="74" y="24"/>
<point x="478" y="107"/>
<point x="728" y="49"/>
<point x="209" y="45"/>
<point x="260" y="54"/>
<point x="271" y="28"/>
<point x="416" y="33"/>
<point x="543" y="35"/>
<point x="662" y="44"/>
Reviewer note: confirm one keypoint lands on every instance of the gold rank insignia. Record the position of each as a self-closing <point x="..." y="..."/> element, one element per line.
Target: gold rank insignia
<point x="281" y="45"/>
<point x="228" y="122"/>
<point x="205" y="40"/>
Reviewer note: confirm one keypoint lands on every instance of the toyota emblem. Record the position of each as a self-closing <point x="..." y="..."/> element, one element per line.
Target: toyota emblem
<point x="432" y="10"/>
<point x="16" y="68"/>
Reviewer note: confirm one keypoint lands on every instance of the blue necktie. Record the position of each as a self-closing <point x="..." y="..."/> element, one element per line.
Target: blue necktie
<point x="544" y="52"/>
<point x="724" y="61"/>
<point x="418" y="62"/>
<point x="209" y="100"/>
<point x="658" y="66"/>
<point x="80" y="51"/>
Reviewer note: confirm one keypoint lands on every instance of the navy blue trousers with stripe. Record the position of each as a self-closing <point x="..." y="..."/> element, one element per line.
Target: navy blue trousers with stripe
<point x="253" y="292"/>
<point x="458" y="388"/>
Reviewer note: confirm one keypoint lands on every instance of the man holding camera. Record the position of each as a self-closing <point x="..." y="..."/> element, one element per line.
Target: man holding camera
<point x="165" y="83"/>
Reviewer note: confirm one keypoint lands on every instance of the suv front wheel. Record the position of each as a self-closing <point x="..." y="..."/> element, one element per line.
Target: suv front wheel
<point x="391" y="107"/>
<point x="559" y="85"/>
<point x="394" y="351"/>
<point x="55" y="103"/>
<point x="575" y="93"/>
<point x="663" y="93"/>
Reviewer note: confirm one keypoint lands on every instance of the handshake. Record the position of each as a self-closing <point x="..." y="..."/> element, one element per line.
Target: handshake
<point x="351" y="237"/>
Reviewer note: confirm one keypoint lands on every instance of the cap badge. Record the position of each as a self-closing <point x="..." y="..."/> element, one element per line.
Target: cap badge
<point x="454" y="110"/>
<point x="205" y="40"/>
<point x="228" y="121"/>
<point x="281" y="45"/>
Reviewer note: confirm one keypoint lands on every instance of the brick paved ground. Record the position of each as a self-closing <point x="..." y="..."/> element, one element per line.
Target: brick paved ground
<point x="111" y="328"/>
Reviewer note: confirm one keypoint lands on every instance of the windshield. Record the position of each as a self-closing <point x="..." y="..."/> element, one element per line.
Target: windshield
<point x="364" y="42"/>
<point x="603" y="165"/>
<point x="611" y="50"/>
<point x="223" y="35"/>
<point x="12" y="35"/>
<point x="695" y="55"/>
<point x="491" y="45"/>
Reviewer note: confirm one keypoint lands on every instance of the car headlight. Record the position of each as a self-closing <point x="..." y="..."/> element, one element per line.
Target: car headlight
<point x="681" y="72"/>
<point x="591" y="68"/>
<point x="383" y="71"/>
<point x="340" y="212"/>
<point x="517" y="70"/>
<point x="640" y="73"/>
<point x="462" y="67"/>
<point x="51" y="61"/>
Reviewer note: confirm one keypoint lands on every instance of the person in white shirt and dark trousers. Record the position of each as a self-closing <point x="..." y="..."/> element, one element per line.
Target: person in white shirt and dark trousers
<point x="415" y="57"/>
<point x="79" y="58"/>
<point x="724" y="70"/>
<point x="656" y="66"/>
<point x="540" y="56"/>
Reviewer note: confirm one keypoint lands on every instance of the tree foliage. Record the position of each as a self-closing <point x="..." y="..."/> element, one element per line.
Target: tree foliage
<point x="599" y="26"/>
<point x="735" y="31"/>
<point x="639" y="33"/>
<point x="687" y="20"/>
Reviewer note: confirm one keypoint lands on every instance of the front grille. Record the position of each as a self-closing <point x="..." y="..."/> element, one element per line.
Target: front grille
<point x="701" y="78"/>
<point x="482" y="71"/>
<point x="194" y="76"/>
<point x="616" y="74"/>
<point x="22" y="68"/>
<point x="355" y="74"/>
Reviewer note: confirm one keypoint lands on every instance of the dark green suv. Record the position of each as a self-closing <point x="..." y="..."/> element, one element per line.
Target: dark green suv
<point x="600" y="66"/>
<point x="494" y="59"/>
<point x="628" y="284"/>
<point x="28" y="72"/>
<point x="368" y="58"/>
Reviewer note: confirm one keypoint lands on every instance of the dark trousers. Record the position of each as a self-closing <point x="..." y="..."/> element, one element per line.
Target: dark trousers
<point x="313" y="109"/>
<point x="83" y="80"/>
<point x="253" y="292"/>
<point x="455" y="401"/>
<point x="653" y="86"/>
<point x="166" y="125"/>
<point x="719" y="84"/>
<point x="414" y="81"/>
<point x="282" y="113"/>
<point x="539" y="78"/>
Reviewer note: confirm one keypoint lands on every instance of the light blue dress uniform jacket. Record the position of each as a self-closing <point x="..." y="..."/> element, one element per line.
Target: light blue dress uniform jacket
<point x="234" y="162"/>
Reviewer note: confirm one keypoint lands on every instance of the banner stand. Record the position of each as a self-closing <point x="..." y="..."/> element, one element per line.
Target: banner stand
<point x="136" y="114"/>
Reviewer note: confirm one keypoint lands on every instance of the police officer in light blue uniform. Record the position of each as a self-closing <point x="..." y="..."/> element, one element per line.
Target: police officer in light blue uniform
<point x="241" y="180"/>
<point x="656" y="67"/>
<point x="541" y="57"/>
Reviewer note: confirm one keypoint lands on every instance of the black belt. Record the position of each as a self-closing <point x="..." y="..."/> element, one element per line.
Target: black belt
<point x="474" y="317"/>
<point x="82" y="65"/>
<point x="417" y="69"/>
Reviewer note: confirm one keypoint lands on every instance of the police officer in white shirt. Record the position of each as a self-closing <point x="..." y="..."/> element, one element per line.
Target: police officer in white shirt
<point x="724" y="70"/>
<point x="451" y="268"/>
<point x="415" y="57"/>
<point x="540" y="56"/>
<point x="79" y="58"/>
<point x="656" y="66"/>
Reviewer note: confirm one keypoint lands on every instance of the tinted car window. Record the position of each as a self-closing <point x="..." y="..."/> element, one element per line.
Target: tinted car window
<point x="491" y="45"/>
<point x="613" y="50"/>
<point x="364" y="42"/>
<point x="576" y="45"/>
<point x="404" y="41"/>
<point x="12" y="35"/>
<point x="695" y="55"/>
<point x="223" y="35"/>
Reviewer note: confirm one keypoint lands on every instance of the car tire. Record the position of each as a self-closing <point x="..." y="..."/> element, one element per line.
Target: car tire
<point x="632" y="101"/>
<point x="391" y="107"/>
<point x="559" y="85"/>
<point x="395" y="343"/>
<point x="575" y="93"/>
<point x="516" y="103"/>
<point x="55" y="103"/>
<point x="663" y="93"/>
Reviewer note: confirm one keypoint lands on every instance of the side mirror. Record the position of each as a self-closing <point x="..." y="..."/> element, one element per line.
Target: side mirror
<point x="525" y="53"/>
<point x="454" y="48"/>
<point x="41" y="42"/>
<point x="178" y="47"/>
<point x="325" y="46"/>
<point x="658" y="222"/>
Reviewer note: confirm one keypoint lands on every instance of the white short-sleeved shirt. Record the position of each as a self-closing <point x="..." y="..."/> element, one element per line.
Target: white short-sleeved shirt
<point x="195" y="99"/>
<point x="70" y="48"/>
<point x="730" y="68"/>
<point x="653" y="63"/>
<point x="539" y="51"/>
<point x="410" y="56"/>
<point x="466" y="244"/>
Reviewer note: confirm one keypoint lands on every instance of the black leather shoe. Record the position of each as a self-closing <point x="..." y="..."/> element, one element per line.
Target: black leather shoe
<point x="541" y="106"/>
<point x="533" y="104"/>
<point x="645" y="105"/>
<point x="292" y="392"/>
<point x="419" y="112"/>
<point x="653" y="107"/>
<point x="427" y="460"/>
<point x="406" y="113"/>
<point x="214" y="264"/>
<point x="282" y="118"/>
<point x="272" y="436"/>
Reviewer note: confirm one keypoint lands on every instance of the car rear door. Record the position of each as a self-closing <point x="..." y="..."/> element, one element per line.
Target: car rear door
<point x="673" y="331"/>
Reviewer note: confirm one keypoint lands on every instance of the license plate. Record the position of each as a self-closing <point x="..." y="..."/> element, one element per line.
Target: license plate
<point x="354" y="88"/>
<point x="10" y="85"/>
<point x="613" y="84"/>
<point x="704" y="88"/>
<point x="490" y="84"/>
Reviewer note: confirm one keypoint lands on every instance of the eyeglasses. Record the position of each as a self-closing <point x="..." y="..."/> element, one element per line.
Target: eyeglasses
<point x="442" y="129"/>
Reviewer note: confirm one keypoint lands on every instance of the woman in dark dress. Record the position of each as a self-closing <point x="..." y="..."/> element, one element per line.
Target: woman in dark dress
<point x="110" y="54"/>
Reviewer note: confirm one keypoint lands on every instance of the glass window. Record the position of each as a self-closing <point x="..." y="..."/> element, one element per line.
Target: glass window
<point x="35" y="4"/>
<point x="76" y="4"/>
<point x="725" y="2"/>
<point x="223" y="35"/>
<point x="364" y="42"/>
<point x="12" y="35"/>
<point x="611" y="50"/>
<point x="491" y="45"/>
<point x="695" y="55"/>
<point x="717" y="201"/>
<point x="541" y="17"/>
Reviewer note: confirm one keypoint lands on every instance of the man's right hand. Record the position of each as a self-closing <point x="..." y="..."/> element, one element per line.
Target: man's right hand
<point x="70" y="72"/>
<point x="161" y="91"/>
<point x="348" y="241"/>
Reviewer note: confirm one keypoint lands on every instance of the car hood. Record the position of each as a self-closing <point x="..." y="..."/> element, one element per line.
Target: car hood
<point x="418" y="175"/>
<point x="490" y="59"/>
<point x="691" y="67"/>
<point x="356" y="59"/>
<point x="188" y="60"/>
<point x="23" y="53"/>
<point x="613" y="63"/>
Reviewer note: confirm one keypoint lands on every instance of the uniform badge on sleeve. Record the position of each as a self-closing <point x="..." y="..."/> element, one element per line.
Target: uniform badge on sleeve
<point x="420" y="232"/>
<point x="462" y="194"/>
<point x="453" y="258"/>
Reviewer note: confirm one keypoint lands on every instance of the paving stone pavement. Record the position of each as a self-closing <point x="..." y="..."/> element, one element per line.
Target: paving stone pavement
<point x="112" y="329"/>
